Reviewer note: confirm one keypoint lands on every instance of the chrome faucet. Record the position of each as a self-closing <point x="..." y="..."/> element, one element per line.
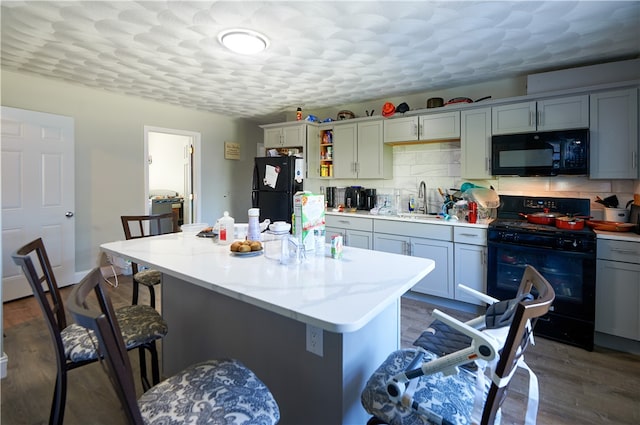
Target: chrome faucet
<point x="422" y="198"/>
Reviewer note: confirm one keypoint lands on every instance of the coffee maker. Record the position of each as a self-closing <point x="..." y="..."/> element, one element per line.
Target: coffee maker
<point x="330" y="196"/>
<point x="370" y="199"/>
<point x="353" y="197"/>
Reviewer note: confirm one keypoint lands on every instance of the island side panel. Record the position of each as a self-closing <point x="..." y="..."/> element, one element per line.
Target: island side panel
<point x="363" y="352"/>
<point x="309" y="389"/>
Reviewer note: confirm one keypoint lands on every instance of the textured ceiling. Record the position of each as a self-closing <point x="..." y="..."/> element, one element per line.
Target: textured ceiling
<point x="322" y="53"/>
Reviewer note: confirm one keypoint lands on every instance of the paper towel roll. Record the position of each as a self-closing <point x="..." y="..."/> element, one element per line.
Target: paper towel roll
<point x="299" y="169"/>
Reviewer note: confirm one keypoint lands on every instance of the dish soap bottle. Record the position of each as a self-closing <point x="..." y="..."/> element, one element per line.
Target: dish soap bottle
<point x="227" y="224"/>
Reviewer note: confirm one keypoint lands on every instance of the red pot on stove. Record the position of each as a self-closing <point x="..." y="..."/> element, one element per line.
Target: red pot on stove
<point x="545" y="218"/>
<point x="570" y="223"/>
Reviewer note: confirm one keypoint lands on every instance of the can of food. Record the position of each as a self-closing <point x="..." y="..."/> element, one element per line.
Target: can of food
<point x="336" y="246"/>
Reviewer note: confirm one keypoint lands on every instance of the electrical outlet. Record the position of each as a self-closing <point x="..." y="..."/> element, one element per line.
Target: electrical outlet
<point x="314" y="340"/>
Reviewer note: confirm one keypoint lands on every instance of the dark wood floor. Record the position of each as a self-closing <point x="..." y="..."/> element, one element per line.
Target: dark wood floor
<point x="576" y="386"/>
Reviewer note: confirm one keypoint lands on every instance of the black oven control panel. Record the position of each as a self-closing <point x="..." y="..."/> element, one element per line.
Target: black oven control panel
<point x="575" y="243"/>
<point x="541" y="204"/>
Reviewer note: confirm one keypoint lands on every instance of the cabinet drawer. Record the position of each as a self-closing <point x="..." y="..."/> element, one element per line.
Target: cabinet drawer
<point x="470" y="235"/>
<point x="349" y="222"/>
<point x="419" y="230"/>
<point x="628" y="252"/>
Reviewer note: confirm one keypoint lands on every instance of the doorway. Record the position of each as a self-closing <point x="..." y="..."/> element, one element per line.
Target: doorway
<point x="172" y="168"/>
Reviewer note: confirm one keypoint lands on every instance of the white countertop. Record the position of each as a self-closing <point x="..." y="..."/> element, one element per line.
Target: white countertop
<point x="335" y="295"/>
<point x="432" y="219"/>
<point x="618" y="236"/>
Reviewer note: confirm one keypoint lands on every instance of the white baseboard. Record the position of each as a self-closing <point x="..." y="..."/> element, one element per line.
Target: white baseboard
<point x="3" y="366"/>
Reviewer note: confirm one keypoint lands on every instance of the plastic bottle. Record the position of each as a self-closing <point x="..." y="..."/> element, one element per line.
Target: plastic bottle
<point x="227" y="224"/>
<point x="254" y="224"/>
<point x="412" y="204"/>
<point x="299" y="114"/>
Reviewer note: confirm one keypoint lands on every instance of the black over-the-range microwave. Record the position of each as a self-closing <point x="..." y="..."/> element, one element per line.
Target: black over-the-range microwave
<point x="548" y="153"/>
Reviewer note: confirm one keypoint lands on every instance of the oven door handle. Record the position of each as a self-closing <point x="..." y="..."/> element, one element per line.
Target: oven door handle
<point x="541" y="249"/>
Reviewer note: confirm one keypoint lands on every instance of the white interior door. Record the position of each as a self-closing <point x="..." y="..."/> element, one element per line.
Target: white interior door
<point x="38" y="197"/>
<point x="187" y="166"/>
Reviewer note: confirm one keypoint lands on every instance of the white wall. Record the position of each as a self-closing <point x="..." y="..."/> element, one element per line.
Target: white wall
<point x="109" y="140"/>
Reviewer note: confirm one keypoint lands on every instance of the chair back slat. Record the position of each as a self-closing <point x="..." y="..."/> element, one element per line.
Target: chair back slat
<point x="102" y="321"/>
<point x="525" y="317"/>
<point x="142" y="226"/>
<point x="45" y="289"/>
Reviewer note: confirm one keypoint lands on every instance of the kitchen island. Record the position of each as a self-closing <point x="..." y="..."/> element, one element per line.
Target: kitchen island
<point x="313" y="332"/>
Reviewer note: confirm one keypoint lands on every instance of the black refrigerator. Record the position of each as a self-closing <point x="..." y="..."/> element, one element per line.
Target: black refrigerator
<point x="275" y="181"/>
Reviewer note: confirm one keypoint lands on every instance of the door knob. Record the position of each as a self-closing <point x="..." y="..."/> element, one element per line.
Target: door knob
<point x="68" y="214"/>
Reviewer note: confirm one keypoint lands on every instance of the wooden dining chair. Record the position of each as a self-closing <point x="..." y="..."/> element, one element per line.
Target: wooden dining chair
<point x="215" y="391"/>
<point x="74" y="347"/>
<point x="142" y="226"/>
<point x="446" y="398"/>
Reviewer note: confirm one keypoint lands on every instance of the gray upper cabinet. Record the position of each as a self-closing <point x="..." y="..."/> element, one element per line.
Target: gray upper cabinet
<point x="561" y="113"/>
<point x="475" y="144"/>
<point x="401" y="129"/>
<point x="285" y="135"/>
<point x="437" y="126"/>
<point x="359" y="151"/>
<point x="614" y="135"/>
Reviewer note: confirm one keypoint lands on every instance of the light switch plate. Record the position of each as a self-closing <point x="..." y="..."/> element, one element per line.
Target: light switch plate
<point x="314" y="340"/>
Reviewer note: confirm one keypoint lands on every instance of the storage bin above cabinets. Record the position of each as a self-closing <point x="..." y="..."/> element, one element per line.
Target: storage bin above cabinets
<point x="431" y="127"/>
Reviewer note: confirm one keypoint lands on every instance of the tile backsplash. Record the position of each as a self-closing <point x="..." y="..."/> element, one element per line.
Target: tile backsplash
<point x="438" y="165"/>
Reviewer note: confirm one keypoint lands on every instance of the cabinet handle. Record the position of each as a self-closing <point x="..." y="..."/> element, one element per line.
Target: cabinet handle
<point x="530" y="118"/>
<point x="625" y="251"/>
<point x="472" y="235"/>
<point x="347" y="222"/>
<point x="540" y="118"/>
<point x="408" y="248"/>
<point x="634" y="163"/>
<point x="415" y="130"/>
<point x="487" y="164"/>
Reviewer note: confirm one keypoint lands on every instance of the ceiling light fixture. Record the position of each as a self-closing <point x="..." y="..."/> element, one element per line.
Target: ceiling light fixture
<point x="246" y="42"/>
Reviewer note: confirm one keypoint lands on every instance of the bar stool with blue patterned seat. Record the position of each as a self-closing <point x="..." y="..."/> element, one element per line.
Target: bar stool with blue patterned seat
<point x="212" y="392"/>
<point x="141" y="326"/>
<point x="417" y="387"/>
<point x="142" y="226"/>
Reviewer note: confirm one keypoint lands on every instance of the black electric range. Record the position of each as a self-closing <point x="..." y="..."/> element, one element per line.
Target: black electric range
<point x="565" y="257"/>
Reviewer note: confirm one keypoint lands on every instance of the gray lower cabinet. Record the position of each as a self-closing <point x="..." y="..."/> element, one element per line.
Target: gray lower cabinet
<point x="618" y="288"/>
<point x="355" y="231"/>
<point x="460" y="252"/>
<point x="420" y="240"/>
<point x="470" y="262"/>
